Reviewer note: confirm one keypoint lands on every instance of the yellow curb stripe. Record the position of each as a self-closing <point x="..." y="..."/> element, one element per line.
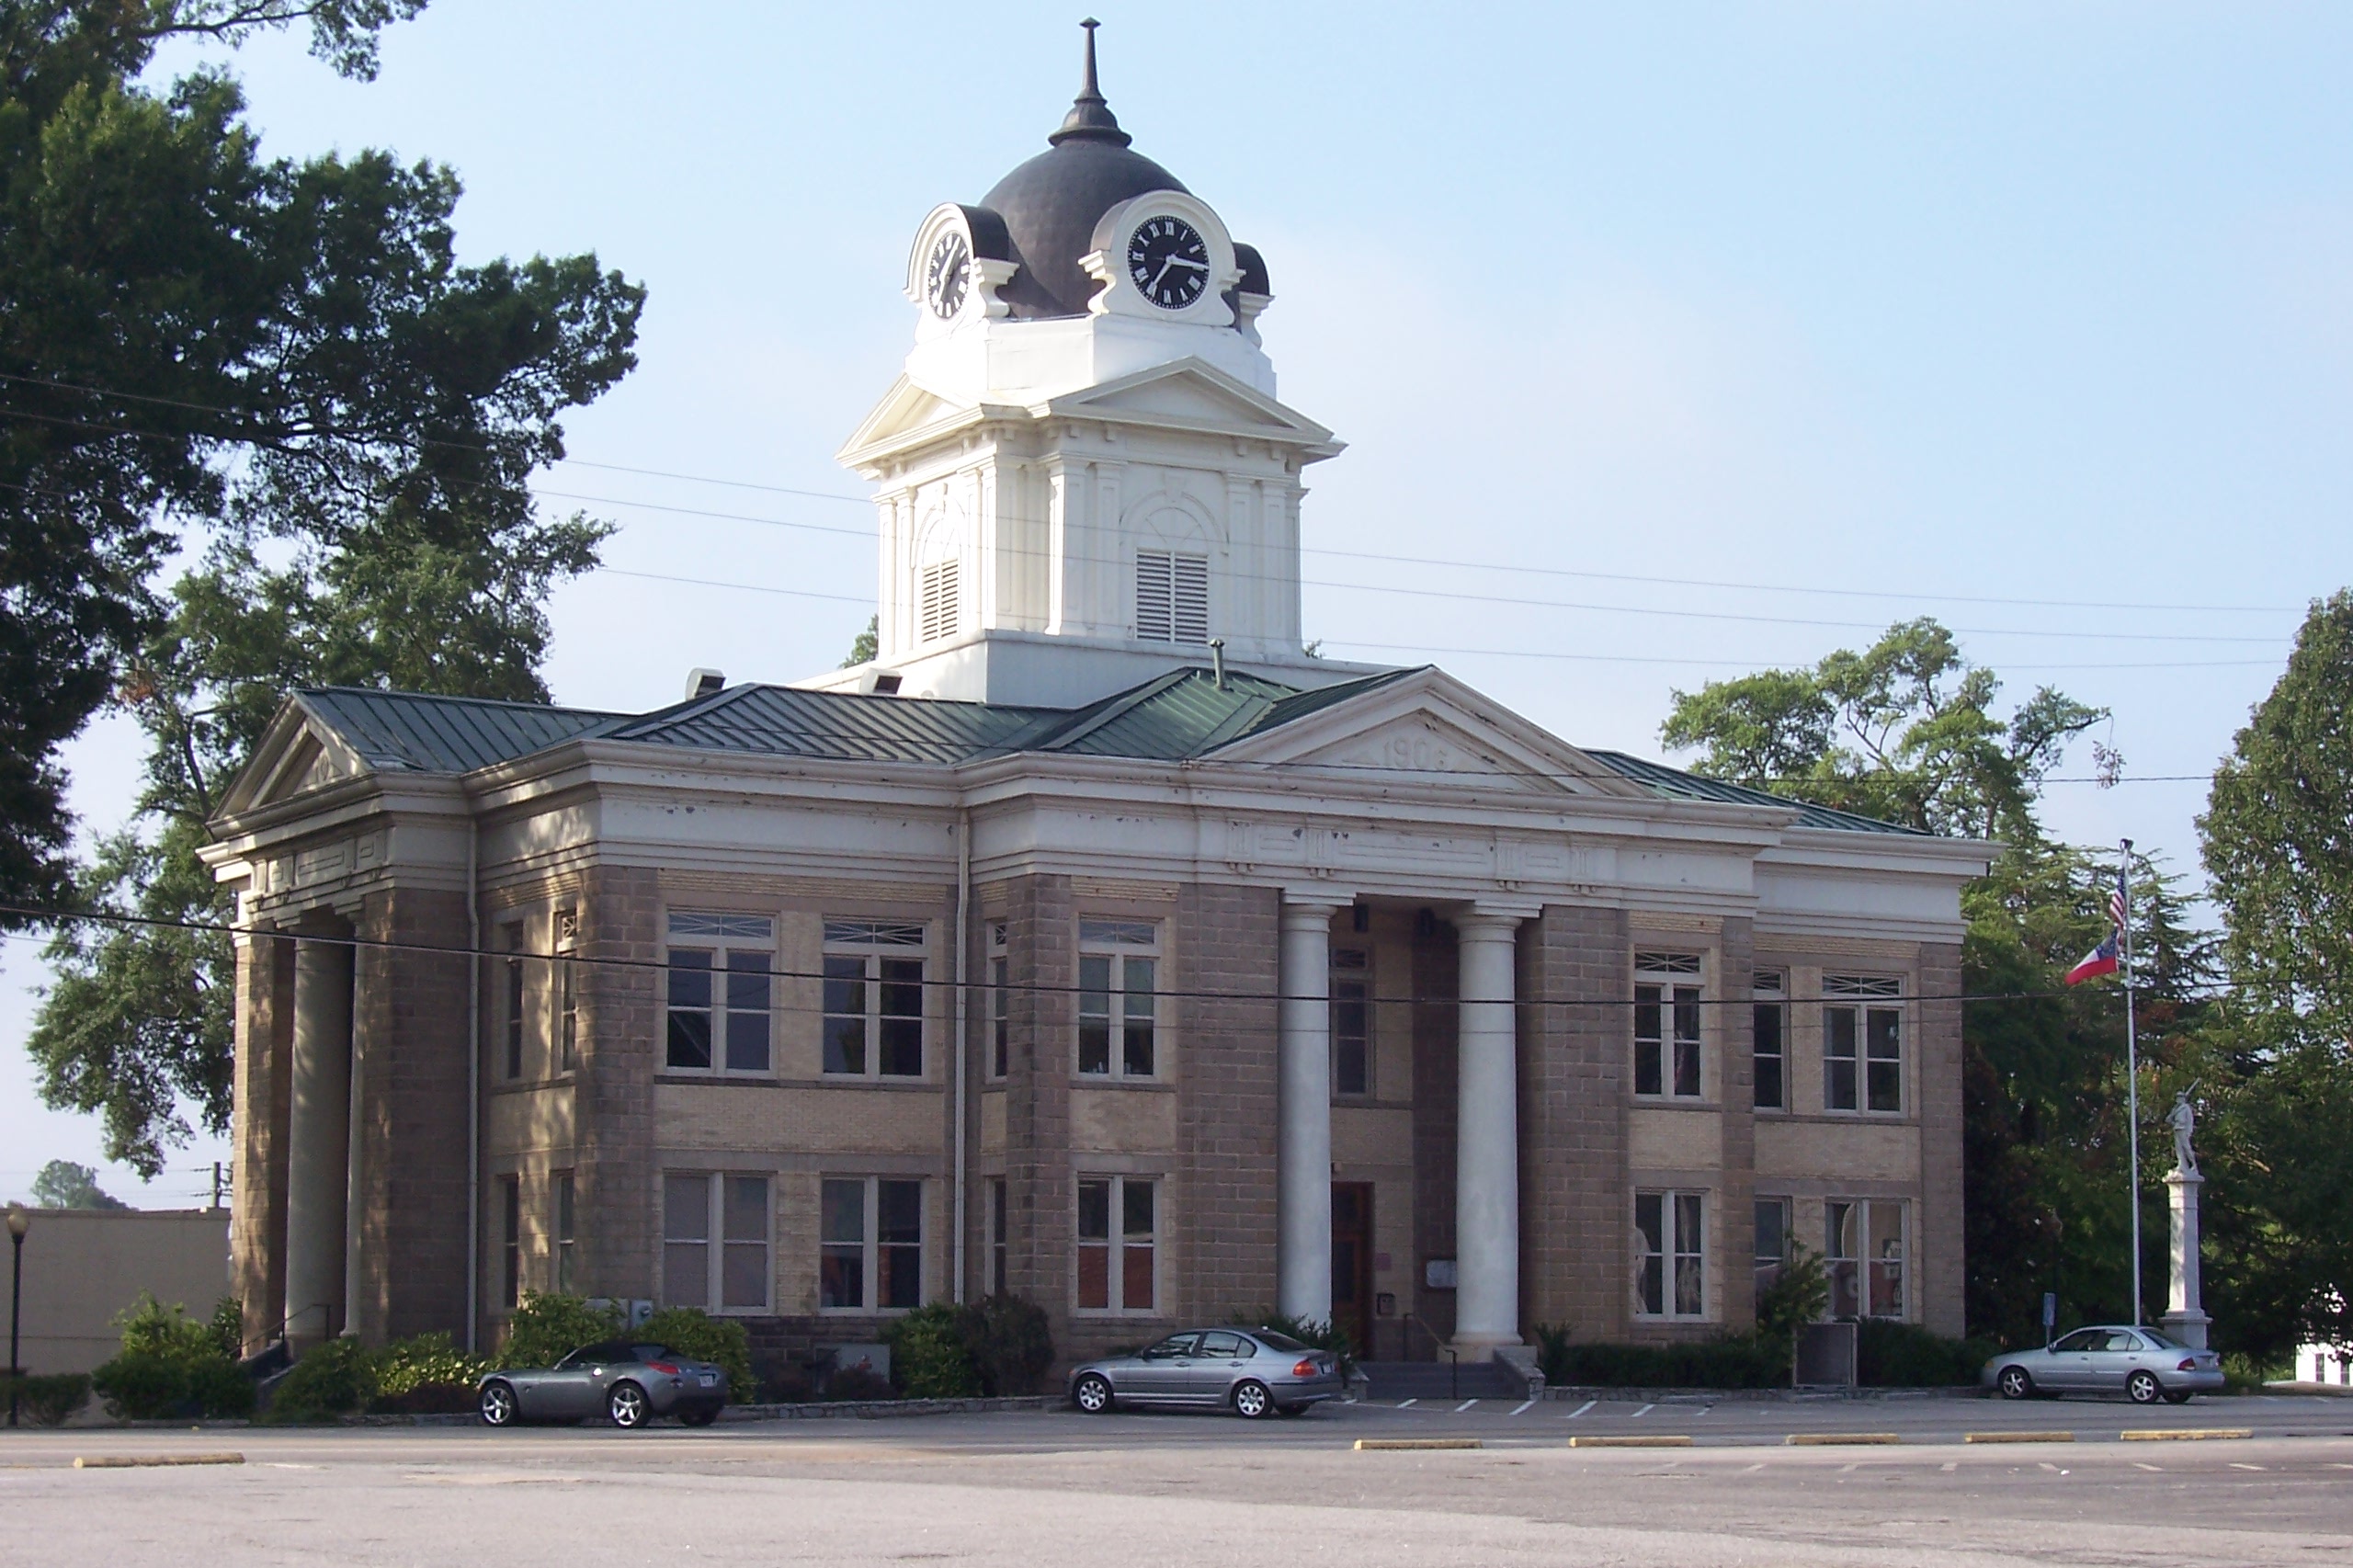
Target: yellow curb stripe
<point x="1365" y="1443"/>
<point x="2020" y="1438"/>
<point x="2185" y="1433"/>
<point x="1841" y="1439"/>
<point x="1660" y="1442"/>
<point x="141" y="1461"/>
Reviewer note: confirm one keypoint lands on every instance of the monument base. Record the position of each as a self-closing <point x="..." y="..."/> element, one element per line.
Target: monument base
<point x="2186" y="1328"/>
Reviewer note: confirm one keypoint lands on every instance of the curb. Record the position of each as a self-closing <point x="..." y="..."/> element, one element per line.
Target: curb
<point x="870" y="1409"/>
<point x="1763" y="1396"/>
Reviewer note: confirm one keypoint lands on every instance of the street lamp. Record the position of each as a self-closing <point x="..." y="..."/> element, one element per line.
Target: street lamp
<point x="18" y="1223"/>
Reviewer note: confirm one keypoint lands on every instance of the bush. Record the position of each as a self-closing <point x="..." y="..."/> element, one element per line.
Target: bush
<point x="228" y="1327"/>
<point x="859" y="1382"/>
<point x="1322" y="1335"/>
<point x="931" y="1353"/>
<point x="547" y="1327"/>
<point x="427" y="1399"/>
<point x="47" y="1401"/>
<point x="427" y="1360"/>
<point x="173" y="1364"/>
<point x="1012" y="1342"/>
<point x="1905" y="1356"/>
<point x="1799" y="1295"/>
<point x="786" y="1385"/>
<point x="150" y="1328"/>
<point x="219" y="1388"/>
<point x="1730" y="1361"/>
<point x="695" y="1334"/>
<point x="337" y="1378"/>
<point x="140" y="1386"/>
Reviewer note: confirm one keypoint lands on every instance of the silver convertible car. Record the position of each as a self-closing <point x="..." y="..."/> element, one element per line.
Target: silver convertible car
<point x="628" y="1383"/>
<point x="1251" y="1371"/>
<point x="2139" y="1363"/>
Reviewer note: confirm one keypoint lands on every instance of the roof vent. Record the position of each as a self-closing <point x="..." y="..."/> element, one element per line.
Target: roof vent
<point x="704" y="683"/>
<point x="886" y="684"/>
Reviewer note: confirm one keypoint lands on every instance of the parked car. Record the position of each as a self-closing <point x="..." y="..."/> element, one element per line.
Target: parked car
<point x="2139" y="1363"/>
<point x="1251" y="1371"/>
<point x="629" y="1384"/>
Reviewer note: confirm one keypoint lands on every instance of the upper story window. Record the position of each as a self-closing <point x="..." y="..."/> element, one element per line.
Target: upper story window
<point x="1172" y="597"/>
<point x="938" y="612"/>
<point x="1117" y="1006"/>
<point x="567" y="990"/>
<point x="1000" y="1012"/>
<point x="511" y="1024"/>
<point x="1862" y="1044"/>
<point x="1351" y="1021"/>
<point x="1666" y="1025"/>
<point x="874" y="998"/>
<point x="1770" y="1040"/>
<point x="719" y="997"/>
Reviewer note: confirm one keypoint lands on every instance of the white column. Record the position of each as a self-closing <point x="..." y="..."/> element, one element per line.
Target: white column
<point x="2186" y="1318"/>
<point x="318" y="1139"/>
<point x="1304" y="1149"/>
<point x="1486" y="1159"/>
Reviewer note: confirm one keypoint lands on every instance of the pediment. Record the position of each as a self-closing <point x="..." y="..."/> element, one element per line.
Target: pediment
<point x="906" y="407"/>
<point x="297" y="754"/>
<point x="1195" y="394"/>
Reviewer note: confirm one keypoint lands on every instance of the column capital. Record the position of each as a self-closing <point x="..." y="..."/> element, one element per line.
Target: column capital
<point x="1487" y="922"/>
<point x="1317" y="896"/>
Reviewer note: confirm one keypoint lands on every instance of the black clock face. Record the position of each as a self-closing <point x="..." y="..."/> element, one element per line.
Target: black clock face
<point x="950" y="271"/>
<point x="1169" y="261"/>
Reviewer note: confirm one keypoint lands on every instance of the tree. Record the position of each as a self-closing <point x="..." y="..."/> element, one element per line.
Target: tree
<point x="862" y="646"/>
<point x="64" y="1185"/>
<point x="314" y="391"/>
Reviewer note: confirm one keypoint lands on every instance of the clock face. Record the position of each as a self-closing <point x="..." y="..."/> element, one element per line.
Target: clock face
<point x="948" y="273"/>
<point x="1169" y="261"/>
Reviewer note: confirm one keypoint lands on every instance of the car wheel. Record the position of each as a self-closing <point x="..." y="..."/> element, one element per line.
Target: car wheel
<point x="628" y="1405"/>
<point x="2142" y="1387"/>
<point x="2015" y="1383"/>
<point x="2178" y="1396"/>
<point x="1092" y="1395"/>
<point x="1251" y="1400"/>
<point x="498" y="1405"/>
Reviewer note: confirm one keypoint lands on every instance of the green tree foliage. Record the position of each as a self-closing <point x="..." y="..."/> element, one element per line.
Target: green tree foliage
<point x="315" y="391"/>
<point x="62" y="1184"/>
<point x="863" y="647"/>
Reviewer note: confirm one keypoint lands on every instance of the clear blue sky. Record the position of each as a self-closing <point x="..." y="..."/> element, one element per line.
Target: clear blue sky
<point x="1920" y="303"/>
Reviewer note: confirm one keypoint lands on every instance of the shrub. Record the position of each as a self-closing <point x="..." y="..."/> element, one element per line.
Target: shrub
<point x="150" y="1328"/>
<point x="140" y="1386"/>
<point x="1799" y="1295"/>
<point x="427" y="1360"/>
<point x="859" y="1382"/>
<point x="219" y="1388"/>
<point x="547" y="1327"/>
<point x="1013" y="1342"/>
<point x="1322" y="1335"/>
<point x="427" y="1399"/>
<point x="786" y="1385"/>
<point x="695" y="1334"/>
<point x="47" y="1401"/>
<point x="173" y="1364"/>
<point x="931" y="1353"/>
<point x="331" y="1380"/>
<point x="228" y="1327"/>
<point x="1905" y="1356"/>
<point x="1730" y="1361"/>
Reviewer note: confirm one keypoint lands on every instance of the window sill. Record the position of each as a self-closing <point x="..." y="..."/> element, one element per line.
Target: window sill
<point x="1141" y="1086"/>
<point x="1678" y="1102"/>
<point x="776" y="1081"/>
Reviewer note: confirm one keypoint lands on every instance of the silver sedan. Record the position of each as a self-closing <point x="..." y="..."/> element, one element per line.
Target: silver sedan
<point x="2139" y="1363"/>
<point x="1254" y="1373"/>
<point x="629" y="1384"/>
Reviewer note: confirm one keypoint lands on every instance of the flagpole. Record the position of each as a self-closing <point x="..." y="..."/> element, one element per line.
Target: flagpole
<point x="2131" y="1067"/>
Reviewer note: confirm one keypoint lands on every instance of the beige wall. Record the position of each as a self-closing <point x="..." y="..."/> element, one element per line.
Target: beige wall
<point x="84" y="1265"/>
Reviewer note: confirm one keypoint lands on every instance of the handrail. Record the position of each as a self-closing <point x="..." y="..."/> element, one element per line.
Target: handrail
<point x="1439" y="1347"/>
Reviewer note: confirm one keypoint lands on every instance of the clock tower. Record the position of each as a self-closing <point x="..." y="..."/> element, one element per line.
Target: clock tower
<point x="1084" y="477"/>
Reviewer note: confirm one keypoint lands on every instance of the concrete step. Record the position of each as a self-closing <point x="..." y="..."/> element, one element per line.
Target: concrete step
<point x="1435" y="1379"/>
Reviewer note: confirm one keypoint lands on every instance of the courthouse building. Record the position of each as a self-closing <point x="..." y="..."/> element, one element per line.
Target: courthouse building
<point x="1095" y="941"/>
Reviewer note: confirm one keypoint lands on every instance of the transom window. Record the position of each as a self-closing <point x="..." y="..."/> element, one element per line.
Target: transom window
<point x="715" y="1241"/>
<point x="1863" y="1046"/>
<point x="1117" y="1233"/>
<point x="720" y="1000"/>
<point x="1670" y="1267"/>
<point x="873" y="998"/>
<point x="1172" y="597"/>
<point x="1666" y="1025"/>
<point x="1771" y="1041"/>
<point x="871" y="1250"/>
<point x="1351" y="1021"/>
<point x="1118" y="1009"/>
<point x="1864" y="1257"/>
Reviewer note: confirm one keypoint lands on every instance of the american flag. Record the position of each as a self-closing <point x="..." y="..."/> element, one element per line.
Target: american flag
<point x="2120" y="900"/>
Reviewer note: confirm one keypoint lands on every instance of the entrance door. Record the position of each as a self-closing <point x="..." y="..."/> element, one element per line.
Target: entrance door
<point x="1352" y="1262"/>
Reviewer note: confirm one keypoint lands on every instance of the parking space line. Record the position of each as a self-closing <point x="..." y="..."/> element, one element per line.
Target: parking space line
<point x="1465" y="1405"/>
<point x="1581" y="1409"/>
<point x="1523" y="1408"/>
<point x="2152" y="1470"/>
<point x="1643" y="1410"/>
<point x="2237" y="1465"/>
<point x="1405" y="1404"/>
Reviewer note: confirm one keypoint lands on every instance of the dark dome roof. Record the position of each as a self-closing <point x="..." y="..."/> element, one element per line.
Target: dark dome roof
<point x="1051" y="203"/>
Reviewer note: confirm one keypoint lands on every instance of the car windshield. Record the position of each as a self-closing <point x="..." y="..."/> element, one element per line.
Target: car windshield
<point x="1273" y="1341"/>
<point x="597" y="1354"/>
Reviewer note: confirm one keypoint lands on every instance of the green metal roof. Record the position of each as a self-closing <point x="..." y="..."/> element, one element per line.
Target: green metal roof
<point x="443" y="734"/>
<point x="1677" y="785"/>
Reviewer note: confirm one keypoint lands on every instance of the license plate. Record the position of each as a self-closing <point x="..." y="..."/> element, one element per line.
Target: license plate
<point x="708" y="1379"/>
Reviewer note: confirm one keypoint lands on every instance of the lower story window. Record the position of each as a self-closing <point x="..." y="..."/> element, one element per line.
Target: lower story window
<point x="1118" y="1229"/>
<point x="566" y="1205"/>
<point x="1000" y="1248"/>
<point x="1670" y="1236"/>
<point x="510" y="1204"/>
<point x="872" y="1245"/>
<point x="1864" y="1259"/>
<point x="715" y="1241"/>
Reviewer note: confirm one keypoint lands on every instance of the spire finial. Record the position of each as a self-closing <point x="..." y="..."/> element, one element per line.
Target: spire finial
<point x="1090" y="119"/>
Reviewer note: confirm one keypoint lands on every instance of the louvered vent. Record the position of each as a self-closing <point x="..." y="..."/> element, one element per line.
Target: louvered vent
<point x="938" y="601"/>
<point x="1172" y="597"/>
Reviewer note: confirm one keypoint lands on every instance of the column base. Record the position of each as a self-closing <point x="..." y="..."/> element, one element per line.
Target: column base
<point x="2186" y="1328"/>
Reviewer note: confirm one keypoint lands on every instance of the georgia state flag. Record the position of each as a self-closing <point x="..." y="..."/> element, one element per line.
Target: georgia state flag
<point x="2099" y="960"/>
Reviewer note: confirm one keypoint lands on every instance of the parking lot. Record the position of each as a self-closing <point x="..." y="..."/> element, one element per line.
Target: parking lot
<point x="1056" y="1487"/>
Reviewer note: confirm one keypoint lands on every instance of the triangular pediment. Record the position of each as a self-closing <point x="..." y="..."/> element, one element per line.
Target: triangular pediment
<point x="1429" y="729"/>
<point x="297" y="754"/>
<point x="1194" y="395"/>
<point x="904" y="409"/>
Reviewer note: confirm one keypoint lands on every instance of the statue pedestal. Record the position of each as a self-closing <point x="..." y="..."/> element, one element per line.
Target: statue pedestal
<point x="2185" y="1321"/>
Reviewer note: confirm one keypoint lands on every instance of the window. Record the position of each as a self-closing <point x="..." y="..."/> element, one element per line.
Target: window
<point x="1000" y="1001"/>
<point x="1351" y="1021"/>
<point x="567" y="991"/>
<point x="870" y="1244"/>
<point x="510" y="938"/>
<point x="939" y="607"/>
<point x="718" y="999"/>
<point x="1666" y="1025"/>
<point x="566" y="1201"/>
<point x="1670" y="1276"/>
<point x="1865" y="1258"/>
<point x="727" y="1271"/>
<point x="873" y="998"/>
<point x="1861" y="1042"/>
<point x="1000" y="1249"/>
<point x="1772" y="1239"/>
<point x="1117" y="1007"/>
<point x="1771" y="1041"/>
<point x="1117" y="1230"/>
<point x="1172" y="597"/>
<point x="510" y="1236"/>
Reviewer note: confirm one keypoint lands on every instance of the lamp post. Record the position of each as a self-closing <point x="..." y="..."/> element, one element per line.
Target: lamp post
<point x="18" y="1223"/>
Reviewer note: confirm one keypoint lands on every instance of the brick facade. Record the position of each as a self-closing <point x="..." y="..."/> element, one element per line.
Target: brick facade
<point x="1574" y="1096"/>
<point x="1224" y="1198"/>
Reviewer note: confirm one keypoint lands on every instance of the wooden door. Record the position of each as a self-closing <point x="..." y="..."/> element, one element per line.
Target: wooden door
<point x="1352" y="1262"/>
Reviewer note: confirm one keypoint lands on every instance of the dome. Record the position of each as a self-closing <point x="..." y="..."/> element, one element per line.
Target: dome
<point x="1050" y="204"/>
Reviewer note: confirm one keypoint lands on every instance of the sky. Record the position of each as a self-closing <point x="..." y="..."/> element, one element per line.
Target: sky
<point x="1727" y="334"/>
